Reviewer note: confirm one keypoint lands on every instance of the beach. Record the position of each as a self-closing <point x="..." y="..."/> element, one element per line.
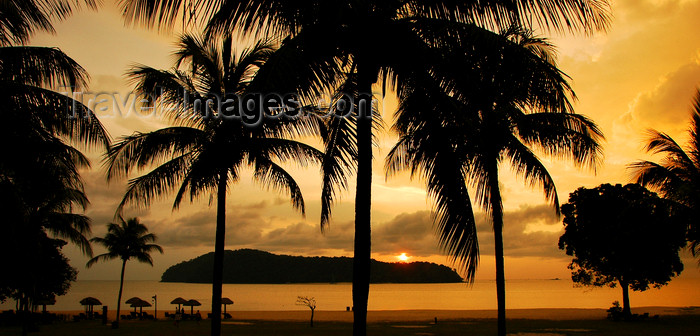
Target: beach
<point x="521" y="322"/>
<point x="378" y="316"/>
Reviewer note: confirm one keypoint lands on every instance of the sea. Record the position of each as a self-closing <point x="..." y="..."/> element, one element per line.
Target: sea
<point x="534" y="293"/>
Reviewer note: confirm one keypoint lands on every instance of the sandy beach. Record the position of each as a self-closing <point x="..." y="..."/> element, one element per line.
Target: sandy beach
<point x="677" y="321"/>
<point x="376" y="316"/>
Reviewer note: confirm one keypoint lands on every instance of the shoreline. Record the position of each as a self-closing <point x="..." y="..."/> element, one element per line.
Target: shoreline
<point x="375" y="316"/>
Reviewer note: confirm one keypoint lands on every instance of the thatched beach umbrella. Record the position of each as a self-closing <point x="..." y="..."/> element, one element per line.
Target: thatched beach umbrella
<point x="226" y="301"/>
<point x="45" y="302"/>
<point x="89" y="302"/>
<point x="132" y="301"/>
<point x="140" y="304"/>
<point x="178" y="301"/>
<point x="192" y="303"/>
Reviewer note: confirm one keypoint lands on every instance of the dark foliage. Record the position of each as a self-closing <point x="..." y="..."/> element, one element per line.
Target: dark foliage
<point x="37" y="269"/>
<point x="253" y="266"/>
<point x="622" y="234"/>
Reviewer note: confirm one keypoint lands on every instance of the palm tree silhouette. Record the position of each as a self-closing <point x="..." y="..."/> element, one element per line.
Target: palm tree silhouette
<point x="204" y="154"/>
<point x="129" y="239"/>
<point x="45" y="181"/>
<point x="347" y="29"/>
<point x="518" y="103"/>
<point x="41" y="187"/>
<point x="677" y="176"/>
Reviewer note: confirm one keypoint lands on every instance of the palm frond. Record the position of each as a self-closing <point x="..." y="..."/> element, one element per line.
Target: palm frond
<point x="102" y="257"/>
<point x="142" y="150"/>
<point x="526" y="164"/>
<point x="159" y="181"/>
<point x="273" y="176"/>
<point x="41" y="66"/>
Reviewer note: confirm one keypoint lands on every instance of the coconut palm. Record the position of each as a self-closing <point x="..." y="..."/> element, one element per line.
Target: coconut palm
<point x="126" y="240"/>
<point x="348" y="30"/>
<point x="207" y="149"/>
<point x="677" y="176"/>
<point x="512" y="103"/>
<point x="49" y="122"/>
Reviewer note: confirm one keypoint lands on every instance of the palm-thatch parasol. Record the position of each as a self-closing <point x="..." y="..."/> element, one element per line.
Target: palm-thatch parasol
<point x="45" y="302"/>
<point x="226" y="301"/>
<point x="140" y="304"/>
<point x="178" y="301"/>
<point x="133" y="300"/>
<point x="192" y="303"/>
<point x="89" y="302"/>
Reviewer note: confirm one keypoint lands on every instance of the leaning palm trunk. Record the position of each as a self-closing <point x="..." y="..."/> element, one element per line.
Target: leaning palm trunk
<point x="218" y="280"/>
<point x="119" y="296"/>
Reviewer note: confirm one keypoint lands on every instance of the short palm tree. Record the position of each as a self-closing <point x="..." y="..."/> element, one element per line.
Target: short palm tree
<point x="205" y="153"/>
<point x="510" y="102"/>
<point x="128" y="239"/>
<point x="677" y="176"/>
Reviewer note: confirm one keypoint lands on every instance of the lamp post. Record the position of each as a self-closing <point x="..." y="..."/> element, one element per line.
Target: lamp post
<point x="155" y="307"/>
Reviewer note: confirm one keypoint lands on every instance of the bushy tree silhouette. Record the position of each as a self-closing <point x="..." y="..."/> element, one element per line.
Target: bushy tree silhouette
<point x="622" y="235"/>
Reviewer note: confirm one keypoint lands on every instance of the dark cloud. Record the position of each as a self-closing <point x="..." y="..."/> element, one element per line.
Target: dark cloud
<point x="407" y="232"/>
<point x="528" y="231"/>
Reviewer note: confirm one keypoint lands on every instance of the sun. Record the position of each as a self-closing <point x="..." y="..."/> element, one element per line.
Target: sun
<point x="403" y="257"/>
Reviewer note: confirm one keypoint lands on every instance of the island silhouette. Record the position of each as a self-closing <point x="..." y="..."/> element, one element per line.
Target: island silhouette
<point x="248" y="266"/>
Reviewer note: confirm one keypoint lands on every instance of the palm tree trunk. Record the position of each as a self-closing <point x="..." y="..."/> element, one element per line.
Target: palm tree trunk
<point x="363" y="210"/>
<point x="497" y="218"/>
<point x="626" y="310"/>
<point x="119" y="296"/>
<point x="218" y="279"/>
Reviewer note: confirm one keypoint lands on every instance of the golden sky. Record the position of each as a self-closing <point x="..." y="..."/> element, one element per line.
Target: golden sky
<point x="641" y="74"/>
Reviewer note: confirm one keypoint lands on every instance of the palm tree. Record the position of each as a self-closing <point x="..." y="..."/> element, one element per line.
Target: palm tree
<point x="128" y="239"/>
<point x="46" y="179"/>
<point x="347" y="29"/>
<point x="205" y="152"/>
<point x="520" y="105"/>
<point x="43" y="185"/>
<point x="677" y="176"/>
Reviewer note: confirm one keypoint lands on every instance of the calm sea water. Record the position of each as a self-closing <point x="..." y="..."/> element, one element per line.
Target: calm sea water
<point x="482" y="295"/>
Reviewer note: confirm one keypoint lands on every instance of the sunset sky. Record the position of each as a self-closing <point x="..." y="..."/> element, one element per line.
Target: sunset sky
<point x="641" y="74"/>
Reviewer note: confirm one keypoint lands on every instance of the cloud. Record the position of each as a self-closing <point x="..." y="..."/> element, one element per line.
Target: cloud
<point x="530" y="231"/>
<point x="666" y="107"/>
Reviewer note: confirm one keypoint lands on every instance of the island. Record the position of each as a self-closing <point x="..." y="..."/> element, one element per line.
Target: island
<point x="247" y="266"/>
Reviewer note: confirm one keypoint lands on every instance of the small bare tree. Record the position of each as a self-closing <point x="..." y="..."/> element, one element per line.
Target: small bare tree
<point x="309" y="302"/>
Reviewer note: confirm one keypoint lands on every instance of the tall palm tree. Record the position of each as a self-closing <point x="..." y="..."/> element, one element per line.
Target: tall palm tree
<point x="520" y="106"/>
<point x="677" y="176"/>
<point x="46" y="179"/>
<point x="43" y="184"/>
<point x="206" y="150"/>
<point x="348" y="30"/>
<point x="128" y="239"/>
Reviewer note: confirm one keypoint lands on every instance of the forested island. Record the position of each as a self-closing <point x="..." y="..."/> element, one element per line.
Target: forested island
<point x="247" y="266"/>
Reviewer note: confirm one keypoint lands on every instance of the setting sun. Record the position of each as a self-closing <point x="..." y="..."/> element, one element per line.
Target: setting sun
<point x="403" y="257"/>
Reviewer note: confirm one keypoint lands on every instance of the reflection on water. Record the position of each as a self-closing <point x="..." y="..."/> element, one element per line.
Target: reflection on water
<point x="482" y="295"/>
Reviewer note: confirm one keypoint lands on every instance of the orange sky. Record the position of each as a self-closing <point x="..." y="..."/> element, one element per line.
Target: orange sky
<point x="642" y="73"/>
